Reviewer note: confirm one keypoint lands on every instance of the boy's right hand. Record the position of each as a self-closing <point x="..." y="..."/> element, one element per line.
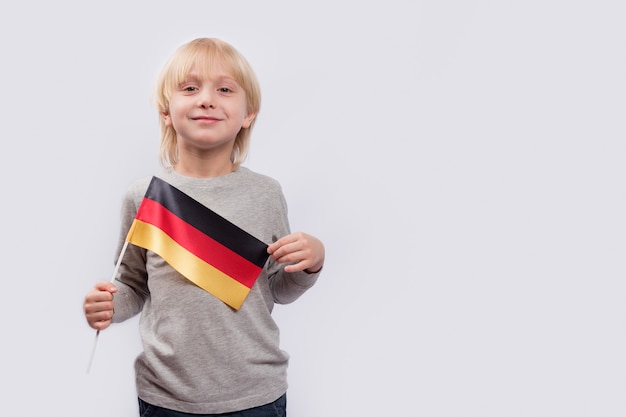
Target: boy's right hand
<point x="98" y="305"/>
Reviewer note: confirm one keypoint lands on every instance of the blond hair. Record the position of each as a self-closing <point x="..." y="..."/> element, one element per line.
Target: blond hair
<point x="203" y="54"/>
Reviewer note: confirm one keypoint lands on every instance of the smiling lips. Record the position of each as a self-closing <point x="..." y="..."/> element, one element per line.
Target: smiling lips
<point x="207" y="119"/>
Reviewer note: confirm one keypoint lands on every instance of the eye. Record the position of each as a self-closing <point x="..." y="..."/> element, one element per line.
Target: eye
<point x="224" y="90"/>
<point x="190" y="88"/>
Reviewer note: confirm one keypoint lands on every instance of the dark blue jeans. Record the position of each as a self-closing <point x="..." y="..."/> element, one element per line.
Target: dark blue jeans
<point x="277" y="408"/>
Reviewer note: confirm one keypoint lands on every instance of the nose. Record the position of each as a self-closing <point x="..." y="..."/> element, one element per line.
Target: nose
<point x="205" y="99"/>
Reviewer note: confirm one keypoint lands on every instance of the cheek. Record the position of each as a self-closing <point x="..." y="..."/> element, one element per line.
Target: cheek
<point x="174" y="117"/>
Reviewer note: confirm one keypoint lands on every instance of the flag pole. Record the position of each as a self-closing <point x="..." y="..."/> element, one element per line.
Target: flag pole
<point x="117" y="267"/>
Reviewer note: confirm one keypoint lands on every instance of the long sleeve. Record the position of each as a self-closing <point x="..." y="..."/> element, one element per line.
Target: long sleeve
<point x="289" y="286"/>
<point x="132" y="277"/>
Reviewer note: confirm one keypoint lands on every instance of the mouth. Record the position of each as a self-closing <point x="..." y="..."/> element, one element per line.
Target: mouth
<point x="205" y="118"/>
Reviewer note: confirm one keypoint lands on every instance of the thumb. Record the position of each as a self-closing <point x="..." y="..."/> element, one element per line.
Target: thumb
<point x="106" y="286"/>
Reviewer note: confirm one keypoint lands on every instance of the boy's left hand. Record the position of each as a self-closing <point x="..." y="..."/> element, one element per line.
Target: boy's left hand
<point x="301" y="251"/>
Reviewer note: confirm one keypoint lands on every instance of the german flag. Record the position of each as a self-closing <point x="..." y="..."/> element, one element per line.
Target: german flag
<point x="207" y="249"/>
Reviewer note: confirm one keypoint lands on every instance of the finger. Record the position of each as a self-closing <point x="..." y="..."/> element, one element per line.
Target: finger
<point x="99" y="325"/>
<point x="100" y="319"/>
<point x="100" y="315"/>
<point x="105" y="286"/>
<point x="94" y="305"/>
<point x="285" y="256"/>
<point x="285" y="240"/>
<point x="298" y="266"/>
<point x="98" y="311"/>
<point x="271" y="249"/>
<point x="290" y="250"/>
<point x="102" y="291"/>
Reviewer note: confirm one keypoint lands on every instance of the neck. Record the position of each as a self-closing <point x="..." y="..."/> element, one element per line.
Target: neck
<point x="204" y="169"/>
<point x="204" y="163"/>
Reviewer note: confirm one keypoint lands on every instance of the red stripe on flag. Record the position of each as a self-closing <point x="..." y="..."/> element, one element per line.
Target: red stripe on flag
<point x="198" y="243"/>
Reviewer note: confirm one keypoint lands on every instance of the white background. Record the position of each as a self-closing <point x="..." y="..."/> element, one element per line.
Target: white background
<point x="462" y="161"/>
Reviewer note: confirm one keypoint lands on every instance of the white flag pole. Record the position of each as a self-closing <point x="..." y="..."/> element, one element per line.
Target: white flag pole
<point x="117" y="267"/>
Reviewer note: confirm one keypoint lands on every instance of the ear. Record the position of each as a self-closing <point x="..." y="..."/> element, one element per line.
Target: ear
<point x="167" y="119"/>
<point x="248" y="120"/>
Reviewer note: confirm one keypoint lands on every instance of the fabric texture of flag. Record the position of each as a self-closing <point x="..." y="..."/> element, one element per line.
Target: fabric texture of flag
<point x="204" y="247"/>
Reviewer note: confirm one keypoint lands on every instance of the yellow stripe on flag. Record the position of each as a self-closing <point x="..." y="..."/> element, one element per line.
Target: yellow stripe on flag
<point x="189" y="265"/>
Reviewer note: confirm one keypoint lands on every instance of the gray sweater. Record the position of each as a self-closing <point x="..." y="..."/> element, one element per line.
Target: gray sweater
<point x="201" y="356"/>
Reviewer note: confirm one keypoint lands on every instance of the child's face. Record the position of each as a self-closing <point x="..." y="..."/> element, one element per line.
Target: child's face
<point x="207" y="110"/>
